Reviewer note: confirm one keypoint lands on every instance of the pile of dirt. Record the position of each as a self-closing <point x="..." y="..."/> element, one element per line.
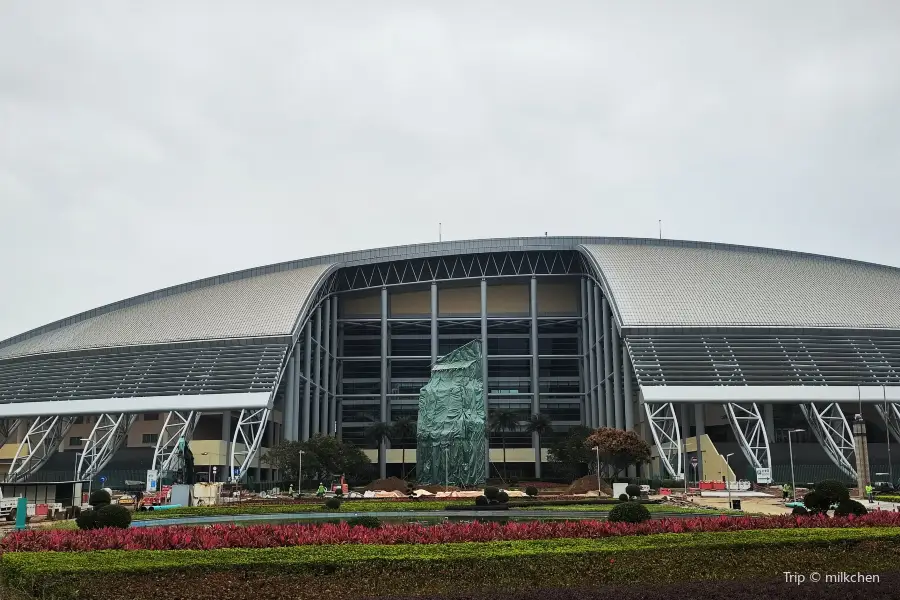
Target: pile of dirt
<point x="588" y="483"/>
<point x="391" y="484"/>
<point x="434" y="489"/>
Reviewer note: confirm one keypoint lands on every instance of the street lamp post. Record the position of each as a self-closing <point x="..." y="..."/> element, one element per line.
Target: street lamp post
<point x="599" y="491"/>
<point x="791" y="452"/>
<point x="887" y="421"/>
<point x="728" y="478"/>
<point x="299" y="471"/>
<point x="208" y="468"/>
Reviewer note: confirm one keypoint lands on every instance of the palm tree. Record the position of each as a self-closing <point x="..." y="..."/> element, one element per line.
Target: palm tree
<point x="501" y="422"/>
<point x="402" y="430"/>
<point x="379" y="432"/>
<point x="539" y="424"/>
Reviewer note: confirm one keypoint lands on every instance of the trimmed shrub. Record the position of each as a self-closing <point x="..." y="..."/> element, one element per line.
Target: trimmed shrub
<point x="491" y="492"/>
<point x="87" y="519"/>
<point x="633" y="491"/>
<point x="531" y="491"/>
<point x="832" y="491"/>
<point x="482" y="501"/>
<point x="815" y="503"/>
<point x="367" y="521"/>
<point x="799" y="510"/>
<point x="502" y="497"/>
<point x="850" y="507"/>
<point x="99" y="498"/>
<point x="624" y="497"/>
<point x="113" y="515"/>
<point x="333" y="504"/>
<point x="629" y="512"/>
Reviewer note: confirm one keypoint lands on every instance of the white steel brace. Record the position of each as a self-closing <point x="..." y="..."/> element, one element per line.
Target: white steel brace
<point x="106" y="437"/>
<point x="831" y="428"/>
<point x="178" y="424"/>
<point x="750" y="431"/>
<point x="667" y="436"/>
<point x="7" y="427"/>
<point x="40" y="442"/>
<point x="251" y="427"/>
<point x="891" y="416"/>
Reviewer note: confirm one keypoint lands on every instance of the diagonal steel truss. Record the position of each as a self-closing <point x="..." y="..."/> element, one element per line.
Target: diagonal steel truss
<point x="831" y="428"/>
<point x="251" y="427"/>
<point x="40" y="442"/>
<point x="750" y="430"/>
<point x="178" y="424"/>
<point x="667" y="436"/>
<point x="891" y="415"/>
<point x="106" y="437"/>
<point x="7" y="427"/>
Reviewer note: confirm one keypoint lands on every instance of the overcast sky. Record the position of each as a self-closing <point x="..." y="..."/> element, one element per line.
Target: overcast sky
<point x="145" y="144"/>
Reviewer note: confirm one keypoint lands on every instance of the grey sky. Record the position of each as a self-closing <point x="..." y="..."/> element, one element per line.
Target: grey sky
<point x="148" y="144"/>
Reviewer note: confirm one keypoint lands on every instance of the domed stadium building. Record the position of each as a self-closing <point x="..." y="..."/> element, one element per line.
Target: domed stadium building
<point x="705" y="350"/>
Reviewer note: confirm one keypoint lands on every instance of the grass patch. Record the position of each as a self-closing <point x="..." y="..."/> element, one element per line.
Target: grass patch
<point x="373" y="570"/>
<point x="349" y="506"/>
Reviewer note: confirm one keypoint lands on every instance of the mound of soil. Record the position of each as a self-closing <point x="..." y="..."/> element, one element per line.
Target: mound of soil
<point x="391" y="484"/>
<point x="434" y="489"/>
<point x="588" y="483"/>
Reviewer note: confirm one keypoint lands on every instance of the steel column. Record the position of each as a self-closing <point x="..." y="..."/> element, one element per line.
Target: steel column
<point x="296" y="409"/>
<point x="628" y="400"/>
<point x="251" y="426"/>
<point x="105" y="438"/>
<point x="750" y="432"/>
<point x="7" y="427"/>
<point x="41" y="440"/>
<point x="535" y="373"/>
<point x="597" y="344"/>
<point x="226" y="436"/>
<point x="831" y="428"/>
<point x="608" y="365"/>
<point x="316" y="397"/>
<point x="700" y="426"/>
<point x="332" y="401"/>
<point x="593" y="398"/>
<point x="769" y="420"/>
<point x="434" y="323"/>
<point x="585" y="358"/>
<point x="290" y="397"/>
<point x="305" y="428"/>
<point x="667" y="436"/>
<point x="617" y="380"/>
<point x="383" y="412"/>
<point x="484" y="369"/>
<point x="326" y="359"/>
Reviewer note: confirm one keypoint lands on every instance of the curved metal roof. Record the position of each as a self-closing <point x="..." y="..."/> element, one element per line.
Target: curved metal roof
<point x="652" y="283"/>
<point x="686" y="284"/>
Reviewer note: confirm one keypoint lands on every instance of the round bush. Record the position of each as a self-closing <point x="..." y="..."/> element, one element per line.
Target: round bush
<point x="482" y="501"/>
<point x="99" y="498"/>
<point x="366" y="521"/>
<point x="502" y="497"/>
<point x="339" y="492"/>
<point x="629" y="512"/>
<point x="799" y="510"/>
<point x="633" y="490"/>
<point x="832" y="491"/>
<point x="531" y="491"/>
<point x="624" y="497"/>
<point x="491" y="492"/>
<point x="850" y="507"/>
<point x="815" y="503"/>
<point x="113" y="515"/>
<point x="333" y="504"/>
<point x="87" y="519"/>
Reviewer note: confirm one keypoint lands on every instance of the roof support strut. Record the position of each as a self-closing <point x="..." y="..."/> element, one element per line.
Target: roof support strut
<point x="7" y="427"/>
<point x="251" y="427"/>
<point x="105" y="439"/>
<point x="831" y="428"/>
<point x="40" y="442"/>
<point x="667" y="436"/>
<point x="750" y="431"/>
<point x="891" y="415"/>
<point x="178" y="424"/>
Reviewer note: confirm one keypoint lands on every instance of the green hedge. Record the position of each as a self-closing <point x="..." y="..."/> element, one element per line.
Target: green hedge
<point x="366" y="570"/>
<point x="888" y="498"/>
<point x="276" y="509"/>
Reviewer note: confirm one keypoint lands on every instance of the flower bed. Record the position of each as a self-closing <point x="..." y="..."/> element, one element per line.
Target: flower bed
<point x="276" y="536"/>
<point x="260" y="508"/>
<point x="361" y="570"/>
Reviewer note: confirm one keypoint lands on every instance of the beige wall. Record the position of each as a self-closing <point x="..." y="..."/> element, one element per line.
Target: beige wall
<point x="558" y="298"/>
<point x="459" y="301"/>
<point x="408" y="304"/>
<point x="363" y="305"/>
<point x="508" y="300"/>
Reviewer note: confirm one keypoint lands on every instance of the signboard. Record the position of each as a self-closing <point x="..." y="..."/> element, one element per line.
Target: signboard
<point x="763" y="475"/>
<point x="102" y="480"/>
<point x="694" y="461"/>
<point x="152" y="480"/>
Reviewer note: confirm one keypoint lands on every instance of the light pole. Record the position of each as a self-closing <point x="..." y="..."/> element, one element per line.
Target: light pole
<point x="447" y="467"/>
<point x="597" y="450"/>
<point x="299" y="471"/>
<point x="208" y="468"/>
<point x="791" y="452"/>
<point x="887" y="427"/>
<point x="728" y="478"/>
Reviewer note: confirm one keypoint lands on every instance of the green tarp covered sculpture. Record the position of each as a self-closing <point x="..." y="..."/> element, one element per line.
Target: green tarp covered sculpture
<point x="450" y="436"/>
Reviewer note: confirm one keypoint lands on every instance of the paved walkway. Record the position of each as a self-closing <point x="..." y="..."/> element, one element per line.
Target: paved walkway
<point x="407" y="515"/>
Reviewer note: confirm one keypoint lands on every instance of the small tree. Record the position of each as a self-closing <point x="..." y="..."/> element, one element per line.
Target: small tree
<point x="323" y="457"/>
<point x="402" y="430"/>
<point x="503" y="421"/>
<point x="541" y="425"/>
<point x="379" y="433"/>
<point x="619" y="449"/>
<point x="572" y="451"/>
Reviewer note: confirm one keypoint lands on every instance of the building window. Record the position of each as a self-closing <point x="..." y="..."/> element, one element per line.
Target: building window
<point x="150" y="438"/>
<point x="75" y="440"/>
<point x="151" y="416"/>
